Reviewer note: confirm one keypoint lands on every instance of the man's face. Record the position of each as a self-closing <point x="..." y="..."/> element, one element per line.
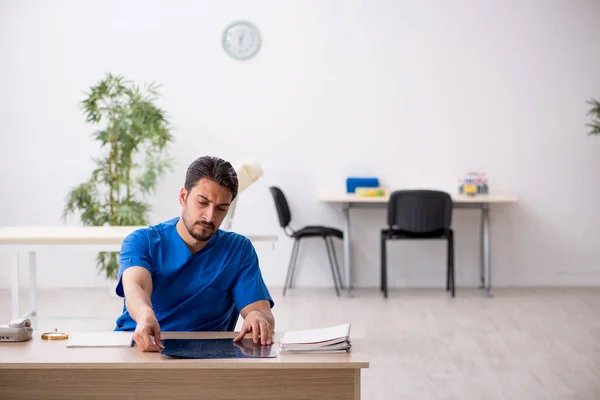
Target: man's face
<point x="204" y="207"/>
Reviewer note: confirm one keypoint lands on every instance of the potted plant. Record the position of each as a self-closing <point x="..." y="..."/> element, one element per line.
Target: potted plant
<point x="133" y="134"/>
<point x="595" y="113"/>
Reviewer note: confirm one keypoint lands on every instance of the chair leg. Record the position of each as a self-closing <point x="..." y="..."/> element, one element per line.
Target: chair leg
<point x="384" y="288"/>
<point x="448" y="265"/>
<point x="451" y="259"/>
<point x="381" y="262"/>
<point x="295" y="263"/>
<point x="337" y="266"/>
<point x="335" y="283"/>
<point x="291" y="265"/>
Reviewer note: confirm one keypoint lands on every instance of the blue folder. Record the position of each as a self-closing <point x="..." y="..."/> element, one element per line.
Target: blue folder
<point x="353" y="182"/>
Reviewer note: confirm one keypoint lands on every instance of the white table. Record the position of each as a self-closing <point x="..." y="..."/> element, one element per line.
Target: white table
<point x="481" y="202"/>
<point x="35" y="238"/>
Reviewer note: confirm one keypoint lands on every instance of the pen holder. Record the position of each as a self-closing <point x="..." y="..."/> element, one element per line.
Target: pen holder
<point x="473" y="184"/>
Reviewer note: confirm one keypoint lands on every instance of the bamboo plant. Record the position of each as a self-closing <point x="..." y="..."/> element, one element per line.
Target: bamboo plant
<point x="133" y="135"/>
<point x="594" y="111"/>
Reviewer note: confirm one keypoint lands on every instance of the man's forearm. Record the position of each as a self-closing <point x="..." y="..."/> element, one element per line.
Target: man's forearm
<point x="137" y="302"/>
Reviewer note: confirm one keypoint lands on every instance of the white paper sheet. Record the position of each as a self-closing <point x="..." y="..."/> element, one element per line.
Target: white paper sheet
<point x="100" y="339"/>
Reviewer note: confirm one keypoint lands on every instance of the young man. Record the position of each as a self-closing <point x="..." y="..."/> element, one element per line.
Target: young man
<point x="186" y="274"/>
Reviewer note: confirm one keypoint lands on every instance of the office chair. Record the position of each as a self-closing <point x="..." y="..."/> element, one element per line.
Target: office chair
<point x="419" y="214"/>
<point x="311" y="231"/>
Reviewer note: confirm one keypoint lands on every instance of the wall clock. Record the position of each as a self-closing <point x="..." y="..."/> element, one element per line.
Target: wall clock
<point x="241" y="40"/>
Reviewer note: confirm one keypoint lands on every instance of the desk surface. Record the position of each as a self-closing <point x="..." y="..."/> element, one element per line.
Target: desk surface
<point x="79" y="235"/>
<point x="481" y="198"/>
<point x="37" y="353"/>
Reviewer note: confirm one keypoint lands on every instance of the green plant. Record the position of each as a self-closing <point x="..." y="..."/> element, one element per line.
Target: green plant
<point x="595" y="113"/>
<point x="134" y="135"/>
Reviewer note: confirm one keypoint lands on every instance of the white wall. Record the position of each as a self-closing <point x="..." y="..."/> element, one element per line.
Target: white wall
<point x="416" y="93"/>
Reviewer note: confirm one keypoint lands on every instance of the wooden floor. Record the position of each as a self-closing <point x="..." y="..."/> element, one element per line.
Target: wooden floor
<point x="520" y="344"/>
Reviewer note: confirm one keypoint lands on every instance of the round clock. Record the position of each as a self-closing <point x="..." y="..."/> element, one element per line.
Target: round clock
<point x="241" y="40"/>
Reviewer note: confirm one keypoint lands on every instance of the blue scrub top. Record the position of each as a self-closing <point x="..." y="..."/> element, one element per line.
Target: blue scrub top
<point x="193" y="292"/>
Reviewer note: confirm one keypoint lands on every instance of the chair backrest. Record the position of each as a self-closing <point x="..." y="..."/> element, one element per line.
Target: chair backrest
<point x="281" y="204"/>
<point x="419" y="211"/>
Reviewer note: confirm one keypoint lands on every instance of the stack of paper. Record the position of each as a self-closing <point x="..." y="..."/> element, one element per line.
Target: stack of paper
<point x="334" y="339"/>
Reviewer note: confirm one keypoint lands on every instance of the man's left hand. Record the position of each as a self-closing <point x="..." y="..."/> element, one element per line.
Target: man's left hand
<point x="257" y="323"/>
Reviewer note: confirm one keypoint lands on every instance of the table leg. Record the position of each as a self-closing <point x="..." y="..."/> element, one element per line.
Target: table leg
<point x="33" y="288"/>
<point x="15" y="287"/>
<point x="346" y="209"/>
<point x="485" y="216"/>
<point x="481" y="250"/>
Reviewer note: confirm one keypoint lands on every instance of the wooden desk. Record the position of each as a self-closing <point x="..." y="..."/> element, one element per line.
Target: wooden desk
<point x="481" y="202"/>
<point x="34" y="238"/>
<point x="39" y="369"/>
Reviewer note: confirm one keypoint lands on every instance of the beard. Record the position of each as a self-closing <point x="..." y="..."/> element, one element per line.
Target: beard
<point x="199" y="230"/>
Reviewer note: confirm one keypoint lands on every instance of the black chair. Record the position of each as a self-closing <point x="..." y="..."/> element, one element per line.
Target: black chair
<point x="419" y="214"/>
<point x="311" y="231"/>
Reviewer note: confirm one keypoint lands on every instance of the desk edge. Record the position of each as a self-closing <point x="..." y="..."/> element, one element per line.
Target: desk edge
<point x="191" y="364"/>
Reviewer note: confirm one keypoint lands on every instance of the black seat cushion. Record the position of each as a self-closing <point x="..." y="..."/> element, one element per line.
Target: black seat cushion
<point x="317" y="230"/>
<point x="402" y="234"/>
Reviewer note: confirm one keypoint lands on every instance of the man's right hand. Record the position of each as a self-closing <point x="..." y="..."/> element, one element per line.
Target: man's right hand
<point x="137" y="286"/>
<point x="147" y="333"/>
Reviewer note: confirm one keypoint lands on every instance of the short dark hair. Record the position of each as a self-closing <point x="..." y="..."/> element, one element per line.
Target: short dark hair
<point x="213" y="168"/>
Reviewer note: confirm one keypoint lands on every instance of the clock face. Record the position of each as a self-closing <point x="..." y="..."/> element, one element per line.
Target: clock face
<point x="241" y="40"/>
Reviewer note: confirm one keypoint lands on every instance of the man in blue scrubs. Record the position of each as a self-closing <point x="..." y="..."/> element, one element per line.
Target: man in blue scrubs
<point x="185" y="274"/>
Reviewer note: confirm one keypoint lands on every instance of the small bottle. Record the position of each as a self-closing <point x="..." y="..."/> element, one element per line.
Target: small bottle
<point x="485" y="189"/>
<point x="461" y="188"/>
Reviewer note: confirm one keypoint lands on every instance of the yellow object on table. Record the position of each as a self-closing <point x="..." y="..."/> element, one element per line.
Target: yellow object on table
<point x="370" y="192"/>
<point x="56" y="335"/>
<point x="470" y="190"/>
